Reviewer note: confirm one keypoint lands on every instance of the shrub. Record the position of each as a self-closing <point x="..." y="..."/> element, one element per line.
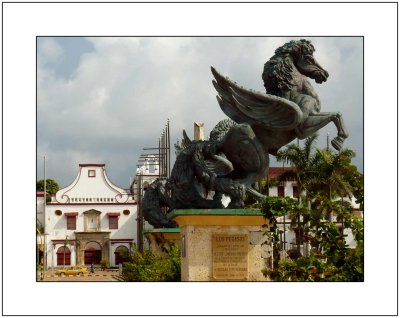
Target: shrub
<point x="104" y="264"/>
<point x="148" y="267"/>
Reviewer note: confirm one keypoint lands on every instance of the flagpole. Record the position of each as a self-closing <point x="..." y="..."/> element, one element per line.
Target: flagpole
<point x="44" y="222"/>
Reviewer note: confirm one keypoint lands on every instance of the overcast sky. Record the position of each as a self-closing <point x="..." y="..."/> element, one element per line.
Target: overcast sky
<point x="101" y="100"/>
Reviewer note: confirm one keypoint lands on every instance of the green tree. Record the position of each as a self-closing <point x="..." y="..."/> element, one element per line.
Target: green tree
<point x="303" y="161"/>
<point x="335" y="172"/>
<point x="304" y="173"/>
<point x="330" y="259"/>
<point x="324" y="177"/>
<point x="51" y="187"/>
<point x="66" y="243"/>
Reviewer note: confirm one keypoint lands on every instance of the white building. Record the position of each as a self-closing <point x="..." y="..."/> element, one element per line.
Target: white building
<point x="147" y="173"/>
<point x="92" y="219"/>
<point x="288" y="236"/>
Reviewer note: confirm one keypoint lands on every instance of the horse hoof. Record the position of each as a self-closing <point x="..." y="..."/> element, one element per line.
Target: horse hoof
<point x="337" y="143"/>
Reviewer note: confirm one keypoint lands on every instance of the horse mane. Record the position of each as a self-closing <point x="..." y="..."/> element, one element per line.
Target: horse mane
<point x="277" y="74"/>
<point x="221" y="129"/>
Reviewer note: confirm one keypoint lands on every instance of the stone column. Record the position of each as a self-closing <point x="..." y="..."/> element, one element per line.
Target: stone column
<point x="223" y="245"/>
<point x="198" y="131"/>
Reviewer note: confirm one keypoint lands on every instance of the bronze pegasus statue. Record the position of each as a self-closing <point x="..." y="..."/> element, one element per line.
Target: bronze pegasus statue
<point x="237" y="154"/>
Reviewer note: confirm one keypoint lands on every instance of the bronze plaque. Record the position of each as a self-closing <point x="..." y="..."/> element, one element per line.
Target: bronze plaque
<point x="230" y="256"/>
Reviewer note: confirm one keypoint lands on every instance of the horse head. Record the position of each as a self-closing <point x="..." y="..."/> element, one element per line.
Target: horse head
<point x="305" y="62"/>
<point x="278" y="70"/>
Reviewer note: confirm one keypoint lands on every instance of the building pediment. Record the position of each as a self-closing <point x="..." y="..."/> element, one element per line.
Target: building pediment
<point x="92" y="211"/>
<point x="92" y="186"/>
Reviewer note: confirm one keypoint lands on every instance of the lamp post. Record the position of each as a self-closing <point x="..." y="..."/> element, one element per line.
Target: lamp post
<point x="45" y="254"/>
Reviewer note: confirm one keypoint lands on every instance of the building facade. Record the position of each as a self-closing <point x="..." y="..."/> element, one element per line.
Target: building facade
<point x="89" y="221"/>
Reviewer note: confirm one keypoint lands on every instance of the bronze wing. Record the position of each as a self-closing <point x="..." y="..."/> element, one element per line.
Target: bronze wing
<point x="247" y="106"/>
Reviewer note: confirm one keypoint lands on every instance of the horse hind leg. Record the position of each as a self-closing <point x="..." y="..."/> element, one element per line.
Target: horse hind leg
<point x="337" y="142"/>
<point x="316" y="121"/>
<point x="312" y="124"/>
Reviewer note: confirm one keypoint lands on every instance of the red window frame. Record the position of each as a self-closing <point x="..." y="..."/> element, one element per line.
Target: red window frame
<point x="71" y="222"/>
<point x="295" y="191"/>
<point x="60" y="256"/>
<point x="281" y="191"/>
<point x="113" y="222"/>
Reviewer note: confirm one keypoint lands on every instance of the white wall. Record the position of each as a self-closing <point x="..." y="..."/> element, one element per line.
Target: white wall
<point x="86" y="193"/>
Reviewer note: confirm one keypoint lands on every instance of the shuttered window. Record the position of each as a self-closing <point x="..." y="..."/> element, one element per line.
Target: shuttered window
<point x="113" y="222"/>
<point x="71" y="222"/>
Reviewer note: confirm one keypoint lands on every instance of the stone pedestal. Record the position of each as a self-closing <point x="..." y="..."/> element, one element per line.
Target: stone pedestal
<point x="223" y="245"/>
<point x="160" y="240"/>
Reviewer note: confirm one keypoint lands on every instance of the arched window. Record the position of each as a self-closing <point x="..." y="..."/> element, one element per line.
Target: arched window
<point x="63" y="258"/>
<point x="121" y="254"/>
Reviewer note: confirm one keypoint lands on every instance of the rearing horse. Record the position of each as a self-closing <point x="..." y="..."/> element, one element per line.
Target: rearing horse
<point x="291" y="107"/>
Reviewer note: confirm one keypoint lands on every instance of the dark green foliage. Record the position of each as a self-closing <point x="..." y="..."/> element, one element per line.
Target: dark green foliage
<point x="330" y="259"/>
<point x="324" y="178"/>
<point x="148" y="267"/>
<point x="51" y="187"/>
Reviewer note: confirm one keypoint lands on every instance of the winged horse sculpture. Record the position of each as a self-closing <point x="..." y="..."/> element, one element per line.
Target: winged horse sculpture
<point x="237" y="152"/>
<point x="290" y="108"/>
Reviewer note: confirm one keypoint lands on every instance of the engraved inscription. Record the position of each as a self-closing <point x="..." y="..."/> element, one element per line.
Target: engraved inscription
<point x="230" y="256"/>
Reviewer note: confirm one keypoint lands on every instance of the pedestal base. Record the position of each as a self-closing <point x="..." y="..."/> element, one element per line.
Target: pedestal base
<point x="160" y="240"/>
<point x="223" y="245"/>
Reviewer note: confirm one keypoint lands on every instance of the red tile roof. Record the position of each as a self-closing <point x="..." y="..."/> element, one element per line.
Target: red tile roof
<point x="275" y="172"/>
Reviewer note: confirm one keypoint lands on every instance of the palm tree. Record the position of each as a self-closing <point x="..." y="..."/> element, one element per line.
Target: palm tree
<point x="335" y="173"/>
<point x="303" y="161"/>
<point x="65" y="246"/>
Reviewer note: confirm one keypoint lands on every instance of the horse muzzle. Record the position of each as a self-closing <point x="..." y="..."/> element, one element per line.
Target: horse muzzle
<point x="321" y="76"/>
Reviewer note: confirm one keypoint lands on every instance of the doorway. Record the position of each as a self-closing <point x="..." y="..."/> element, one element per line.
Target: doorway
<point x="92" y="254"/>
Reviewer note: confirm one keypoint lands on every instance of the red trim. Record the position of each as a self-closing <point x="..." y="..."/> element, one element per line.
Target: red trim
<point x="275" y="172"/>
<point x="113" y="213"/>
<point x="118" y="241"/>
<point x="71" y="213"/>
<point x="122" y="240"/>
<point x="92" y="165"/>
<point x="71" y="242"/>
<point x="111" y="203"/>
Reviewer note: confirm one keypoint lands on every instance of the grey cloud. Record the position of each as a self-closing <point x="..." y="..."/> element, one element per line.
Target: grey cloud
<point x="121" y="94"/>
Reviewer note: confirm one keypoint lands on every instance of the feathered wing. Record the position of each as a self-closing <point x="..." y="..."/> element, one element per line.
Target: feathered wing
<point x="219" y="165"/>
<point x="247" y="106"/>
